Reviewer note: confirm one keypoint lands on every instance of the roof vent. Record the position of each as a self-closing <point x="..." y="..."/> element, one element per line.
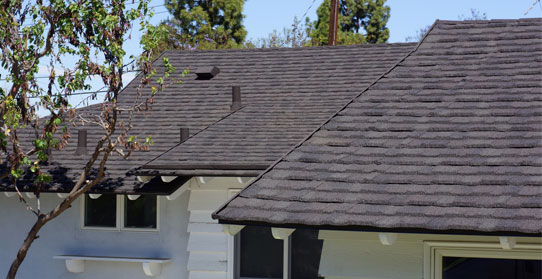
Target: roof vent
<point x="185" y="134"/>
<point x="236" y="98"/>
<point x="81" y="142"/>
<point x="207" y="73"/>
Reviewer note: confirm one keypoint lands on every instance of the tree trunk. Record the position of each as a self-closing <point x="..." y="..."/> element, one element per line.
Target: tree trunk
<point x="23" y="250"/>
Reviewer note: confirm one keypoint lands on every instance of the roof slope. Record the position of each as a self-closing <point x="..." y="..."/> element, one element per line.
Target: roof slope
<point x="272" y="77"/>
<point x="450" y="140"/>
<point x="287" y="94"/>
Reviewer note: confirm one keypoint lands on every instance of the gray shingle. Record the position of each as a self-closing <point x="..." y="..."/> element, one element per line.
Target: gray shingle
<point x="449" y="140"/>
<point x="286" y="92"/>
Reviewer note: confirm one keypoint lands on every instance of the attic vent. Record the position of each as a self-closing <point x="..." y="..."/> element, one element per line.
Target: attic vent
<point x="207" y="72"/>
<point x="185" y="134"/>
<point x="81" y="142"/>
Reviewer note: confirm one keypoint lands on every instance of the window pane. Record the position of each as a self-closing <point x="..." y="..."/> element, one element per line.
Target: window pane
<point x="140" y="213"/>
<point x="101" y="212"/>
<point x="261" y="254"/>
<point x="479" y="268"/>
<point x="306" y="252"/>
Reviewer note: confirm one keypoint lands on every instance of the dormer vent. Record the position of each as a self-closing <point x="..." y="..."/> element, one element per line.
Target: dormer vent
<point x="81" y="142"/>
<point x="207" y="73"/>
<point x="236" y="98"/>
<point x="185" y="134"/>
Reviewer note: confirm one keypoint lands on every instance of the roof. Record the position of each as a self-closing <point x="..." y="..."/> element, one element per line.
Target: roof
<point x="286" y="93"/>
<point x="271" y="80"/>
<point x="448" y="140"/>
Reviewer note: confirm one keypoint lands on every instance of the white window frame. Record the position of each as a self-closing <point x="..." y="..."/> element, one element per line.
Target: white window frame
<point x="434" y="252"/>
<point x="120" y="217"/>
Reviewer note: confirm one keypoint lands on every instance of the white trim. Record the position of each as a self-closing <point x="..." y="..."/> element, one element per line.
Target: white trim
<point x="231" y="230"/>
<point x="244" y="179"/>
<point x="205" y="179"/>
<point x="281" y="233"/>
<point x="287" y="257"/>
<point x="119" y="226"/>
<point x="76" y="264"/>
<point x="157" y="229"/>
<point x="30" y="195"/>
<point x="183" y="188"/>
<point x="507" y="243"/>
<point x="93" y="228"/>
<point x="233" y="244"/>
<point x="62" y="195"/>
<point x="9" y="194"/>
<point x="167" y="179"/>
<point x="94" y="196"/>
<point x="434" y="251"/>
<point x="133" y="197"/>
<point x="144" y="178"/>
<point x="387" y="238"/>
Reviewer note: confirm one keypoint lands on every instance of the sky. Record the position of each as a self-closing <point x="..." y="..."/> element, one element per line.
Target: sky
<point x="406" y="17"/>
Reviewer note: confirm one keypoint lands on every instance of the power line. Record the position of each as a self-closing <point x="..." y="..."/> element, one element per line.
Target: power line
<point x="308" y="9"/>
<point x="46" y="77"/>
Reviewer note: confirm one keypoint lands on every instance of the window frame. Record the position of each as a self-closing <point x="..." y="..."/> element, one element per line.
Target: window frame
<point x="435" y="251"/>
<point x="236" y="264"/>
<point x="120" y="211"/>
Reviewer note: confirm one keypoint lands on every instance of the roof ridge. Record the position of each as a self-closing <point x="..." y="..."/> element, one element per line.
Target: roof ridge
<point x="490" y="20"/>
<point x="258" y="49"/>
<point x="215" y="214"/>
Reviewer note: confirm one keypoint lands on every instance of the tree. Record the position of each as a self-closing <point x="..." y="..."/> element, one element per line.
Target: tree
<point x="293" y="36"/>
<point x="91" y="34"/>
<point x="360" y="21"/>
<point x="205" y="24"/>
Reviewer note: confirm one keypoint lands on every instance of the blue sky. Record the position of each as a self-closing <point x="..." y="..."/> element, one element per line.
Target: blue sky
<point x="407" y="16"/>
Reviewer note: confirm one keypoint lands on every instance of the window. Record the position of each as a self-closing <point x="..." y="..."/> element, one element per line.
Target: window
<point x="483" y="268"/>
<point x="306" y="252"/>
<point x="140" y="213"/>
<point x="117" y="212"/>
<point x="101" y="212"/>
<point x="260" y="255"/>
<point x="453" y="260"/>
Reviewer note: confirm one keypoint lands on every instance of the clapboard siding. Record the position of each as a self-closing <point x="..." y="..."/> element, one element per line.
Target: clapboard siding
<point x="207" y="243"/>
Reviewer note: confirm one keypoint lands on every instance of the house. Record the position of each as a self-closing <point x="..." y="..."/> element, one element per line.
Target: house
<point x="235" y="113"/>
<point x="432" y="171"/>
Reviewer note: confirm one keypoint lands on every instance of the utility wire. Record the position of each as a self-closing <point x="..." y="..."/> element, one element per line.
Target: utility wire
<point x="308" y="9"/>
<point x="46" y="77"/>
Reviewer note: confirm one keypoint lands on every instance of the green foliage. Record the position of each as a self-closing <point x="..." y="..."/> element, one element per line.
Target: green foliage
<point x="91" y="33"/>
<point x="360" y="21"/>
<point x="203" y="24"/>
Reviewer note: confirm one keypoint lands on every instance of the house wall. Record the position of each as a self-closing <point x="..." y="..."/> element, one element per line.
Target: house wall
<point x="185" y="227"/>
<point x="362" y="255"/>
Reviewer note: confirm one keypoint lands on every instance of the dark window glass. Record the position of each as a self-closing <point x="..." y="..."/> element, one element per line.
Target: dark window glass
<point x="101" y="212"/>
<point x="306" y="250"/>
<point x="140" y="213"/>
<point x="480" y="268"/>
<point x="260" y="254"/>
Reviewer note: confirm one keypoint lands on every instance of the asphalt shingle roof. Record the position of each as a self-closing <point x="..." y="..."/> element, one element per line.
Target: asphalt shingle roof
<point x="287" y="93"/>
<point x="275" y="84"/>
<point x="449" y="140"/>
